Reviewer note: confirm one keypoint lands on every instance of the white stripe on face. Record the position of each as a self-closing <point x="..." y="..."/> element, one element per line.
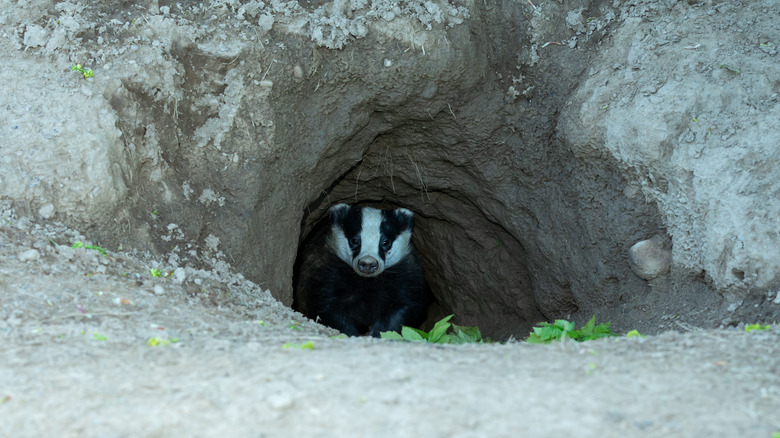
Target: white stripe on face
<point x="338" y="242"/>
<point x="399" y="250"/>
<point x="369" y="236"/>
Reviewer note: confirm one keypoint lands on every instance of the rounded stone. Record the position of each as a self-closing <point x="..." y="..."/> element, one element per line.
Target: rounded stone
<point x="29" y="255"/>
<point x="179" y="275"/>
<point x="47" y="211"/>
<point x="650" y="258"/>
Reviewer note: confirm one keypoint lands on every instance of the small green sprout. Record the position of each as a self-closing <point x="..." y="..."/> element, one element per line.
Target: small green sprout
<point x="87" y="72"/>
<point x="634" y="334"/>
<point x="305" y="346"/>
<point x="99" y="337"/>
<point x="757" y="327"/>
<point x="155" y="272"/>
<point x="155" y="342"/>
<point x="294" y="326"/>
<point x="78" y="244"/>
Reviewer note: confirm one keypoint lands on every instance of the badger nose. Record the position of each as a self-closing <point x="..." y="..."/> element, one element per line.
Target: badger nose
<point x="368" y="265"/>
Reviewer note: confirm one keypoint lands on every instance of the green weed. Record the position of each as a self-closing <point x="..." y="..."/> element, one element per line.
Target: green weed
<point x="305" y="346"/>
<point x="561" y="329"/>
<point x="78" y="244"/>
<point x="443" y="332"/>
<point x="155" y="342"/>
<point x="757" y="327"/>
<point x="87" y="72"/>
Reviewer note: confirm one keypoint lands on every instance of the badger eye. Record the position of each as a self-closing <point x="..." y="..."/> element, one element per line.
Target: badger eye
<point x="355" y="241"/>
<point x="386" y="244"/>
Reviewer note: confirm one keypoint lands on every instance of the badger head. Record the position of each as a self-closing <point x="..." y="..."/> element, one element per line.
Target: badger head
<point x="368" y="239"/>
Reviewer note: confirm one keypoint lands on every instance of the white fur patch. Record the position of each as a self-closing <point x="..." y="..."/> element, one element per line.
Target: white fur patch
<point x="399" y="250"/>
<point x="369" y="236"/>
<point x="405" y="211"/>
<point x="339" y="244"/>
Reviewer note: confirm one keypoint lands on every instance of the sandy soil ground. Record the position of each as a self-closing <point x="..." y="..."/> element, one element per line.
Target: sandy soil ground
<point x="94" y="346"/>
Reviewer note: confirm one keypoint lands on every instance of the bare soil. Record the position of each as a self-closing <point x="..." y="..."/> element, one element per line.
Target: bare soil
<point x="94" y="346"/>
<point x="536" y="142"/>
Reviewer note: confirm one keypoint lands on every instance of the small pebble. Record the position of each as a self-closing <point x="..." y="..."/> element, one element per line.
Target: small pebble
<point x="30" y="255"/>
<point x="159" y="290"/>
<point x="66" y="252"/>
<point x="47" y="211"/>
<point x="280" y="401"/>
<point x="179" y="275"/>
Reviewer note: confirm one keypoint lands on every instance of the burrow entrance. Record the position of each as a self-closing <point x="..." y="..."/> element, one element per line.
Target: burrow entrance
<point x="510" y="233"/>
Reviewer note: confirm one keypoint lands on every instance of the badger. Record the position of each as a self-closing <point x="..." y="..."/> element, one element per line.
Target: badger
<point x="360" y="274"/>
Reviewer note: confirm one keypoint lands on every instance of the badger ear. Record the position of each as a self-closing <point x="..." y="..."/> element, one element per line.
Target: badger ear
<point x="338" y="212"/>
<point x="405" y="218"/>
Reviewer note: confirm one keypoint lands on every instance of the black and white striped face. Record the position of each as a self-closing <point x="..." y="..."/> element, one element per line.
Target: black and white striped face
<point x="368" y="239"/>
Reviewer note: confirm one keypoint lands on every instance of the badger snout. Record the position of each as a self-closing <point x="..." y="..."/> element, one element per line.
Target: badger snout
<point x="368" y="266"/>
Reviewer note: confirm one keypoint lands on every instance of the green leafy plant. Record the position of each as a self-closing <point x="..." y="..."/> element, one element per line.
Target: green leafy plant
<point x="439" y="334"/>
<point x="87" y="72"/>
<point x="634" y="334"/>
<point x="155" y="272"/>
<point x="78" y="244"/>
<point x="757" y="327"/>
<point x="561" y="329"/>
<point x="98" y="337"/>
<point x="305" y="346"/>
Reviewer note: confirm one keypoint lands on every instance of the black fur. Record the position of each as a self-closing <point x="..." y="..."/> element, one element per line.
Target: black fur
<point x="329" y="290"/>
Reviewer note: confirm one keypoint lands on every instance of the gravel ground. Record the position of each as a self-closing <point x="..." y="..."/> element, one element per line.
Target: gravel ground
<point x="95" y="346"/>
